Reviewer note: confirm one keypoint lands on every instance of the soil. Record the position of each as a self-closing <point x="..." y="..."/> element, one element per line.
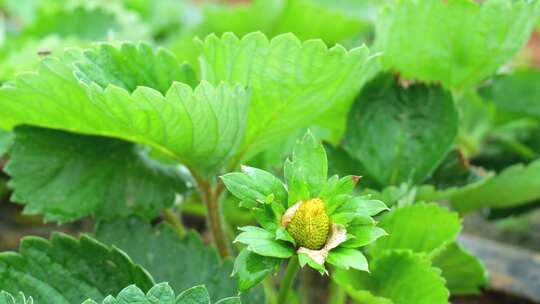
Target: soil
<point x="490" y="297"/>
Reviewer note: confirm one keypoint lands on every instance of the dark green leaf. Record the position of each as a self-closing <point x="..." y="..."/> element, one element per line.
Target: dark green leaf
<point x="516" y="185"/>
<point x="67" y="176"/>
<point x="517" y="93"/>
<point x="183" y="262"/>
<point x="5" y="141"/>
<point x="66" y="271"/>
<point x="463" y="272"/>
<point x="401" y="135"/>
<point x="6" y="298"/>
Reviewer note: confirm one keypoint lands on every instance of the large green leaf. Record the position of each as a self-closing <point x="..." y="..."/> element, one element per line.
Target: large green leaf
<point x="516" y="185"/>
<point x="307" y="19"/>
<point x="401" y="135"/>
<point x="183" y="262"/>
<point x="422" y="228"/>
<point x="455" y="42"/>
<point x="67" y="176"/>
<point x="163" y="294"/>
<point x="517" y="93"/>
<point x="66" y="271"/>
<point x="397" y="277"/>
<point x="201" y="127"/>
<point x="292" y="83"/>
<point x="463" y="272"/>
<point x="88" y="21"/>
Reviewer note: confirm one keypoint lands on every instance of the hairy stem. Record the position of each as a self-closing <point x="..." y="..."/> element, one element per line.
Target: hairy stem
<point x="288" y="280"/>
<point x="211" y="198"/>
<point x="175" y="221"/>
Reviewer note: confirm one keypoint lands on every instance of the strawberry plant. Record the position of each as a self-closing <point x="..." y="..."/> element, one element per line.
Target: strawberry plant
<point x="263" y="152"/>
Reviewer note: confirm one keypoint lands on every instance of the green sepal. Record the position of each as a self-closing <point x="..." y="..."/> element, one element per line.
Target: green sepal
<point x="304" y="260"/>
<point x="255" y="185"/>
<point x="306" y="173"/>
<point x="251" y="268"/>
<point x="346" y="258"/>
<point x="337" y="191"/>
<point x="362" y="235"/>
<point x="263" y="242"/>
<point x="283" y="234"/>
<point x="358" y="207"/>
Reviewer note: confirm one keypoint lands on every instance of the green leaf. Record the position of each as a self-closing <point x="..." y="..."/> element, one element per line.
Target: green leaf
<point x="401" y="135"/>
<point x="163" y="294"/>
<point x="5" y="141"/>
<point x="466" y="41"/>
<point x="194" y="295"/>
<point x="258" y="15"/>
<point x="88" y="21"/>
<point x="397" y="277"/>
<point x="67" y="176"/>
<point x="183" y="262"/>
<point x="129" y="66"/>
<point x="305" y="18"/>
<point x="251" y="268"/>
<point x="346" y="258"/>
<point x="463" y="272"/>
<point x="254" y="186"/>
<point x="306" y="173"/>
<point x="65" y="270"/>
<point x="6" y="298"/>
<point x="263" y="242"/>
<point x="23" y="57"/>
<point x="514" y="186"/>
<point x="199" y="127"/>
<point x="422" y="228"/>
<point x="518" y="93"/>
<point x="160" y="293"/>
<point x="292" y="82"/>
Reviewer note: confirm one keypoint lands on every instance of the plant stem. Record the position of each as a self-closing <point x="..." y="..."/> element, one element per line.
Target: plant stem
<point x="215" y="218"/>
<point x="337" y="294"/>
<point x="269" y="290"/>
<point x="174" y="219"/>
<point x="288" y="280"/>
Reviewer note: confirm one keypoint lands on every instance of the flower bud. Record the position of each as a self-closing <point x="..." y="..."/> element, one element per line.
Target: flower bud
<point x="310" y="225"/>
